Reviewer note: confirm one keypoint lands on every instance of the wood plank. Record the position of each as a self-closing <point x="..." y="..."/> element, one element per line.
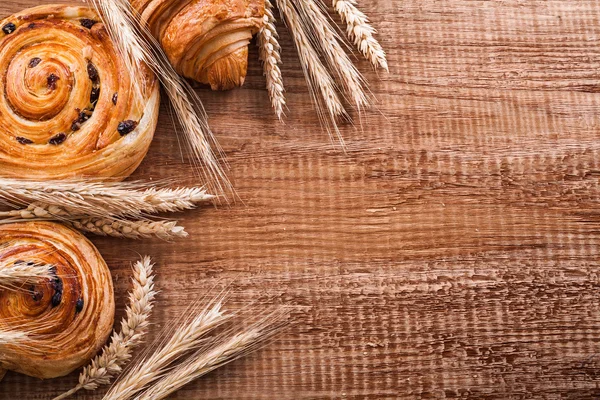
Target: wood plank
<point x="451" y="252"/>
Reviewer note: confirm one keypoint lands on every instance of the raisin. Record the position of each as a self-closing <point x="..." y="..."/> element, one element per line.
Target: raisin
<point x="36" y="295"/>
<point x="9" y="28"/>
<point x="126" y="127"/>
<point x="92" y="72"/>
<point x="57" y="139"/>
<point x="23" y="140"/>
<point x="34" y="62"/>
<point x="115" y="98"/>
<point x="56" y="299"/>
<point x="79" y="305"/>
<point x="81" y="118"/>
<point x="52" y="79"/>
<point x="84" y="115"/>
<point x="57" y="285"/>
<point x="88" y="23"/>
<point x="95" y="95"/>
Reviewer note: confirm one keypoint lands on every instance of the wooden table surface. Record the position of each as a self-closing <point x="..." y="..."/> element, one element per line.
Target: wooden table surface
<point x="452" y="252"/>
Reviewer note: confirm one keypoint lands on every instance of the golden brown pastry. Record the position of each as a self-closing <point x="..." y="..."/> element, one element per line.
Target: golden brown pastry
<point x="205" y="40"/>
<point x="70" y="315"/>
<point x="66" y="104"/>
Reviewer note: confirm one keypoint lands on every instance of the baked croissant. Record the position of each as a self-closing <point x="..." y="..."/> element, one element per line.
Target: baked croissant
<point x="70" y="316"/>
<point x="67" y="107"/>
<point x="205" y="40"/>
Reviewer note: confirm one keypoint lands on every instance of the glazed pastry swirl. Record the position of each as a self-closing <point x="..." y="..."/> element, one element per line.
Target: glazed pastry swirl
<point x="205" y="40"/>
<point x="66" y="104"/>
<point x="70" y="316"/>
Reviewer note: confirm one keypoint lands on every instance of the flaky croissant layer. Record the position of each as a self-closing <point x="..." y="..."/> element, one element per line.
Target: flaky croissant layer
<point x="205" y="40"/>
<point x="68" y="317"/>
<point x="67" y="107"/>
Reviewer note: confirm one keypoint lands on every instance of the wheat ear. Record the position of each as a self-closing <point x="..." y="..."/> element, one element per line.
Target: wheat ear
<point x="215" y="355"/>
<point x="360" y="32"/>
<point x="317" y="77"/>
<point x="174" y="200"/>
<point x="76" y="198"/>
<point x="136" y="46"/>
<point x="269" y="54"/>
<point x="314" y="21"/>
<point x="9" y="337"/>
<point x="104" y="367"/>
<point x="166" y="230"/>
<point x="187" y="337"/>
<point x="17" y="272"/>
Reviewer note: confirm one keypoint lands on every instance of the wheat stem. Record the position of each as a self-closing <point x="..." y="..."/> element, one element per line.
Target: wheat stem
<point x="114" y="356"/>
<point x="360" y="32"/>
<point x="318" y="78"/>
<point x="215" y="355"/>
<point x="137" y="45"/>
<point x="269" y="54"/>
<point x="185" y="338"/>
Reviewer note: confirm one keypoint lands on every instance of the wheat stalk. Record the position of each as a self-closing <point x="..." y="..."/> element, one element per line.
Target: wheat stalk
<point x="360" y="32"/>
<point x="17" y="272"/>
<point x="317" y="77"/>
<point x="186" y="337"/>
<point x="136" y="46"/>
<point x="75" y="199"/>
<point x="140" y="229"/>
<point x="269" y="54"/>
<point x="313" y="20"/>
<point x="114" y="356"/>
<point x="216" y="355"/>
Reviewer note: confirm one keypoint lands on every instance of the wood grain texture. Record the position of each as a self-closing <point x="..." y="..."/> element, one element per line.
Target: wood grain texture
<point x="451" y="253"/>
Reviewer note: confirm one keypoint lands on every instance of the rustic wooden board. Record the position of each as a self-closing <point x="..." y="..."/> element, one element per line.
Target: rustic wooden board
<point x="452" y="252"/>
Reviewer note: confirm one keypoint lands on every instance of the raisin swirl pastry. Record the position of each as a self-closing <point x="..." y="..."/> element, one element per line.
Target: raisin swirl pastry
<point x="205" y="40"/>
<point x="70" y="316"/>
<point x="67" y="107"/>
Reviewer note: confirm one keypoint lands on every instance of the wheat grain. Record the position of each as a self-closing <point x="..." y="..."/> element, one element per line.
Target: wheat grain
<point x="314" y="22"/>
<point x="317" y="77"/>
<point x="137" y="45"/>
<point x="360" y="32"/>
<point x="75" y="199"/>
<point x="186" y="337"/>
<point x="217" y="354"/>
<point x="269" y="54"/>
<point x="140" y="229"/>
<point x="114" y="356"/>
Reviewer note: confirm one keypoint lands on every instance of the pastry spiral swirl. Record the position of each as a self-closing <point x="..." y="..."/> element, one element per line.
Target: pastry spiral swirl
<point x="67" y="107"/>
<point x="205" y="40"/>
<point x="70" y="316"/>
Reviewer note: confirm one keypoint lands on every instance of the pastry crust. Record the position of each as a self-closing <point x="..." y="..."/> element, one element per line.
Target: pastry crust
<point x="65" y="94"/>
<point x="205" y="40"/>
<point x="68" y="328"/>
